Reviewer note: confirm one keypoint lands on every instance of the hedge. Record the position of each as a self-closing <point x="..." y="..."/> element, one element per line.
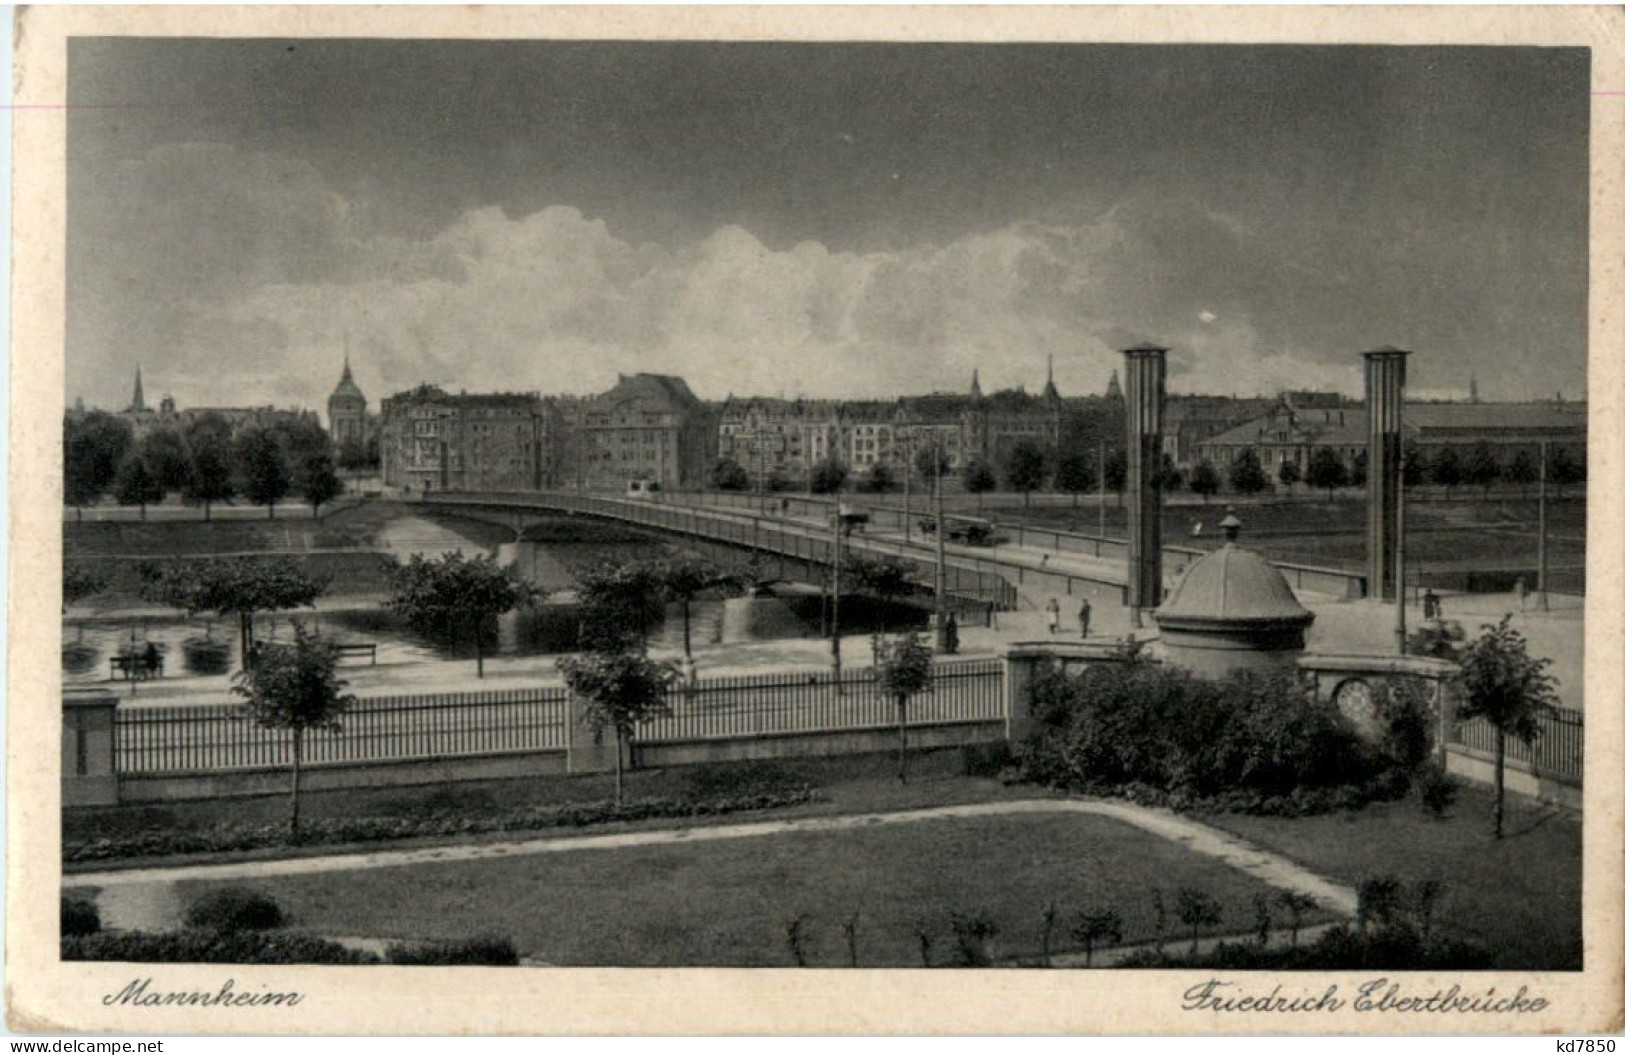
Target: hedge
<point x="222" y="838"/>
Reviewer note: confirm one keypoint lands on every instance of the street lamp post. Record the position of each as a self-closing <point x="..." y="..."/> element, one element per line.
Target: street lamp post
<point x="1541" y="602"/>
<point x="1101" y="503"/>
<point x="942" y="548"/>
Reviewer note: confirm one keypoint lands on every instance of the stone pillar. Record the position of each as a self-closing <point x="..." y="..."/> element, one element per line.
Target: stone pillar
<point x="89" y="770"/>
<point x="1384" y="401"/>
<point x="1146" y="374"/>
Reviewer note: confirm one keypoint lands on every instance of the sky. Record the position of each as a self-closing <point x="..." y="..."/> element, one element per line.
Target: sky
<point x="852" y="220"/>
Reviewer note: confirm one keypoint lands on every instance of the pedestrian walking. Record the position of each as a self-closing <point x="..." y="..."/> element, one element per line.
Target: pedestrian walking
<point x="1054" y="610"/>
<point x="1430" y="606"/>
<point x="950" y="635"/>
<point x="1083" y="617"/>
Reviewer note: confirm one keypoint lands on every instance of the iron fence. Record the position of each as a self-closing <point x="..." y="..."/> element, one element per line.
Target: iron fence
<point x="217" y="737"/>
<point x="767" y="704"/>
<point x="1559" y="750"/>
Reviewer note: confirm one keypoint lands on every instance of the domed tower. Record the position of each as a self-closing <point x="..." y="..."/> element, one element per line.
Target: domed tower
<point x="1232" y="609"/>
<point x="347" y="410"/>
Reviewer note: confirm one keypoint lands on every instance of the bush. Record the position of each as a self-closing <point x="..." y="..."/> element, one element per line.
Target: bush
<point x="231" y="910"/>
<point x="1437" y="790"/>
<point x="973" y="937"/>
<point x="986" y="760"/>
<point x="484" y="951"/>
<point x="203" y="946"/>
<point x="1251" y="742"/>
<point x="80" y="917"/>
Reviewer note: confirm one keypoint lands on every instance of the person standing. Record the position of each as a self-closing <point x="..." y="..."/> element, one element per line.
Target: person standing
<point x="1083" y="617"/>
<point x="1054" y="610"/>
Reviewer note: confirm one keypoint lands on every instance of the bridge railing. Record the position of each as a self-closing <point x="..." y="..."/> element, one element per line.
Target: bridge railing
<point x="969" y="579"/>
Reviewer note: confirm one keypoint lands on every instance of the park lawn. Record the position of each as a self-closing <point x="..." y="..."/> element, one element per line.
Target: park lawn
<point x="728" y="902"/>
<point x="1519" y="898"/>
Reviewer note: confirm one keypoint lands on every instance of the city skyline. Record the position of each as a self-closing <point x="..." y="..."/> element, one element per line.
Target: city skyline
<point x="842" y="221"/>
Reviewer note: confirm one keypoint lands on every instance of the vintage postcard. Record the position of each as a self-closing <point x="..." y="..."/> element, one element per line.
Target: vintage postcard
<point x="794" y="520"/>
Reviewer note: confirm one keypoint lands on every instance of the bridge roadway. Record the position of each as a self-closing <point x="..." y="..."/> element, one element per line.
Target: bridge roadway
<point x="1013" y="576"/>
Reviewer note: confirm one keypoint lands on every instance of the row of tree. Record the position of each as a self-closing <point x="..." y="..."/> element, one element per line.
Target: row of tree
<point x="1076" y="472"/>
<point x="204" y="462"/>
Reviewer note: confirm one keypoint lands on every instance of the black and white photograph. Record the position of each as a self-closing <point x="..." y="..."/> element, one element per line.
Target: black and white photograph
<point x="910" y="505"/>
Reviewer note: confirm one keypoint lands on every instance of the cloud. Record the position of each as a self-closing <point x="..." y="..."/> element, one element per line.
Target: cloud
<point x="263" y="274"/>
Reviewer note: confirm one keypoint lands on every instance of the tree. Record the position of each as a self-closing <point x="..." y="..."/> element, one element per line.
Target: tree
<point x="979" y="479"/>
<point x="1196" y="909"/>
<point x="240" y="586"/>
<point x="1205" y="480"/>
<point x="1116" y="471"/>
<point x="685" y="578"/>
<point x="1564" y="468"/>
<point x="1481" y="469"/>
<point x="93" y="447"/>
<point x="619" y="601"/>
<point x="136" y="484"/>
<point x="932" y="461"/>
<point x="209" y="440"/>
<point x="1288" y="474"/>
<point x="1508" y="688"/>
<point x="1297" y="905"/>
<point x="828" y="477"/>
<point x="619" y="689"/>
<point x="264" y="467"/>
<point x="295" y="687"/>
<point x="1247" y="475"/>
<point x="358" y="455"/>
<point x="1522" y="470"/>
<point x="455" y="595"/>
<point x="1026" y="470"/>
<point x="1445" y="469"/>
<point x="903" y="671"/>
<point x="886" y="578"/>
<point x="318" y="481"/>
<point x="1414" y="462"/>
<point x="168" y="456"/>
<point x="1093" y="928"/>
<point x="1169" y="478"/>
<point x="880" y="480"/>
<point x="1358" y="467"/>
<point x="729" y="475"/>
<point x="80" y="581"/>
<point x="1326" y="471"/>
<point x="1075" y="474"/>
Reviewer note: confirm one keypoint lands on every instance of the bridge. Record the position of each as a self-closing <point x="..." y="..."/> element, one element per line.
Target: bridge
<point x="1026" y="566"/>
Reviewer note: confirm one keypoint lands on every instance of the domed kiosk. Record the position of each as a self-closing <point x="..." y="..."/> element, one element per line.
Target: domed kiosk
<point x="1232" y="609"/>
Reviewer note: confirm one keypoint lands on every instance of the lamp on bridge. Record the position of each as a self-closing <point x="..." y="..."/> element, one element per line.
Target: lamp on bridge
<point x="845" y="519"/>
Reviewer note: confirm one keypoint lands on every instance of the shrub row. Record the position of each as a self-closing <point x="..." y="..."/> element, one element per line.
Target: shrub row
<point x="228" y="837"/>
<point x="204" y="946"/>
<point x="1251" y="742"/>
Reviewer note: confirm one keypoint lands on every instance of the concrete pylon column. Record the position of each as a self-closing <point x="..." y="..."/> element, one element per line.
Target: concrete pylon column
<point x="1385" y="405"/>
<point x="1146" y="376"/>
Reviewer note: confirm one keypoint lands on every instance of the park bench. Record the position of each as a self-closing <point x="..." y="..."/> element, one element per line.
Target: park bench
<point x="135" y="667"/>
<point x="368" y="649"/>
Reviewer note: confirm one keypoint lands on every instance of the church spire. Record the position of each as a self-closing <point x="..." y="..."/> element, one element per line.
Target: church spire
<point x="1472" y="388"/>
<point x="1050" y="391"/>
<point x="1114" y="389"/>
<point x="975" y="382"/>
<point x="139" y="402"/>
<point x="346" y="376"/>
